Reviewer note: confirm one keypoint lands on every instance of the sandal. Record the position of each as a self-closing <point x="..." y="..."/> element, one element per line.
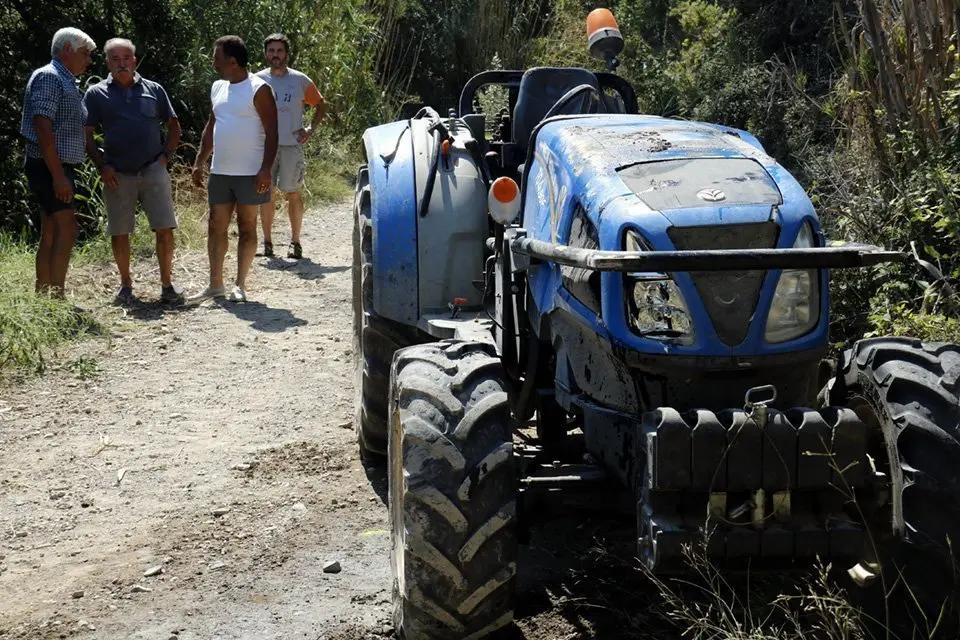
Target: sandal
<point x="296" y="251"/>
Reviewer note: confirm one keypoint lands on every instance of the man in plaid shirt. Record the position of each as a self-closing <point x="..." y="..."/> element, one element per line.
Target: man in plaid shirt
<point x="53" y="126"/>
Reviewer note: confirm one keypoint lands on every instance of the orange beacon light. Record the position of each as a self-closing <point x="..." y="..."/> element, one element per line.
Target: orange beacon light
<point x="603" y="36"/>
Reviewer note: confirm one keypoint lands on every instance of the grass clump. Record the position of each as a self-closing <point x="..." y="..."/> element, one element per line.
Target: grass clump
<point x="31" y="324"/>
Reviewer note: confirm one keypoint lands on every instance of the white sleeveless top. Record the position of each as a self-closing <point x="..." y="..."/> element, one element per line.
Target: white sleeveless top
<point x="238" y="135"/>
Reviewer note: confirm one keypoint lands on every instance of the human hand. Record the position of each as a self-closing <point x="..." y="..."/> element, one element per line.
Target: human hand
<point x="62" y="188"/>
<point x="304" y="134"/>
<point x="164" y="160"/>
<point x="263" y="180"/>
<point x="109" y="176"/>
<point x="197" y="175"/>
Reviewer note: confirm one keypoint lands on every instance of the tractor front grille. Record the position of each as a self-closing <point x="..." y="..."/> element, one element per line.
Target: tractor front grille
<point x="730" y="297"/>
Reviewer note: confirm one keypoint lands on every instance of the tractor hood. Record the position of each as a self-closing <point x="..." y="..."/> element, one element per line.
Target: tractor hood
<point x="627" y="167"/>
<point x="622" y="182"/>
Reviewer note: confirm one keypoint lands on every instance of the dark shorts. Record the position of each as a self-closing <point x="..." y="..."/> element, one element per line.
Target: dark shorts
<point x="41" y="184"/>
<point x="223" y="189"/>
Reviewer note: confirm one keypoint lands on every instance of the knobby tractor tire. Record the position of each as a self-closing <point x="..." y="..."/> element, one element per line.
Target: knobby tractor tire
<point x="908" y="390"/>
<point x="375" y="339"/>
<point x="453" y="488"/>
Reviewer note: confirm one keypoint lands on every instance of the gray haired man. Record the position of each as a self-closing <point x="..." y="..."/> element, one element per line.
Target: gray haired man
<point x="52" y="125"/>
<point x="133" y="111"/>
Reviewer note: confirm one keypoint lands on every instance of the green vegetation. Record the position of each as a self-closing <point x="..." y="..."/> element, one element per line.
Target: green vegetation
<point x="30" y="324"/>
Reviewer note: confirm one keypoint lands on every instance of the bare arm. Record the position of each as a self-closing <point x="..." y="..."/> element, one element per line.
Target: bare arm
<point x="206" y="148"/>
<point x="313" y="99"/>
<point x="92" y="149"/>
<point x="48" y="145"/>
<point x="107" y="172"/>
<point x="48" y="149"/>
<point x="206" y="143"/>
<point x="173" y="136"/>
<point x="319" y="111"/>
<point x="266" y="107"/>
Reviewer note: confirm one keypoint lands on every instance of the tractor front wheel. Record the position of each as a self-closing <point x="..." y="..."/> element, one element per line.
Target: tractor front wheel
<point x="453" y="492"/>
<point x="906" y="391"/>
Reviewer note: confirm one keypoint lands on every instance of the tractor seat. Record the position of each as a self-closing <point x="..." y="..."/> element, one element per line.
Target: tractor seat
<point x="540" y="88"/>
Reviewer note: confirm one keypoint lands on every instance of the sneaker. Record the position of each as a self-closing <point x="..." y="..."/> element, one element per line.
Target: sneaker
<point x="209" y="292"/>
<point x="124" y="295"/>
<point x="296" y="251"/>
<point x="267" y="250"/>
<point x="172" y="294"/>
<point x="237" y="294"/>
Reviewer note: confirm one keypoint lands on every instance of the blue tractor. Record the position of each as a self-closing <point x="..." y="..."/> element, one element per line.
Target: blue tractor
<point x="569" y="298"/>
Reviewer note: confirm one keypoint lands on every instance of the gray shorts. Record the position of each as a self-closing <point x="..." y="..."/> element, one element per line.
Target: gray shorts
<point x="289" y="168"/>
<point x="223" y="189"/>
<point x="151" y="188"/>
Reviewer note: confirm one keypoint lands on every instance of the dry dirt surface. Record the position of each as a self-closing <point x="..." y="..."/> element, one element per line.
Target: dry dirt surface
<point x="200" y="484"/>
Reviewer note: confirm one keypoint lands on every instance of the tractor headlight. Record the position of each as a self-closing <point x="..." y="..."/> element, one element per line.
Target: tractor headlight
<point x="796" y="303"/>
<point x="656" y="306"/>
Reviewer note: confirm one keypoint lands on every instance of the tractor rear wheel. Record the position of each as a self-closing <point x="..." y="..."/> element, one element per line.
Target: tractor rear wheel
<point x="453" y="492"/>
<point x="375" y="339"/>
<point x="907" y="392"/>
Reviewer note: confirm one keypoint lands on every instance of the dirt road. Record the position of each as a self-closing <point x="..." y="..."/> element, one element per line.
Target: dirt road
<point x="216" y="451"/>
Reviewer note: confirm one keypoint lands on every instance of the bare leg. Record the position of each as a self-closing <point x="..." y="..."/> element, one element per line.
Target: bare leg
<point x="295" y="207"/>
<point x="121" y="255"/>
<point x="64" y="236"/>
<point x="217" y="240"/>
<point x="247" y="244"/>
<point x="165" y="256"/>
<point x="267" y="213"/>
<point x="44" y="254"/>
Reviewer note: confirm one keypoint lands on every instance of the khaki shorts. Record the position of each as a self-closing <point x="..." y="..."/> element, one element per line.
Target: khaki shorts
<point x="289" y="168"/>
<point x="151" y="188"/>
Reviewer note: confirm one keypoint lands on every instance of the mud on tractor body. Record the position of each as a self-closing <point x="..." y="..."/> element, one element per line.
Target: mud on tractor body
<point x="646" y="302"/>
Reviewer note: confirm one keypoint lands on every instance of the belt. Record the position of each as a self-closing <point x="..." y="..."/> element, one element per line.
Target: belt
<point x="142" y="167"/>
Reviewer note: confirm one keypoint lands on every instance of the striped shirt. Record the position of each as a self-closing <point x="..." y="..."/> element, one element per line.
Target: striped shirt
<point x="52" y="92"/>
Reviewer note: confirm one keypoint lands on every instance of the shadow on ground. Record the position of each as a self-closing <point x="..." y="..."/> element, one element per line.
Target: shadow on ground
<point x="577" y="578"/>
<point x="261" y="316"/>
<point x="377" y="477"/>
<point x="153" y="310"/>
<point x="304" y="268"/>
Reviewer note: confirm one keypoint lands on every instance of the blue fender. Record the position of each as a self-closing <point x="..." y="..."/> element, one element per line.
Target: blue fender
<point x="393" y="202"/>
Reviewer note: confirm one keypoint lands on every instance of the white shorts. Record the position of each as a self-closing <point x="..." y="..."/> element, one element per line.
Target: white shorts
<point x="289" y="168"/>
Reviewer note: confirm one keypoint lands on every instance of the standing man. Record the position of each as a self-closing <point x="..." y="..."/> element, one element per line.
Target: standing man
<point x="292" y="89"/>
<point x="132" y="111"/>
<point x="242" y="134"/>
<point x="52" y="124"/>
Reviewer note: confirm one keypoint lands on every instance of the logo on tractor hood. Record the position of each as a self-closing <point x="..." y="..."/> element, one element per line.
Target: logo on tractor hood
<point x="711" y="195"/>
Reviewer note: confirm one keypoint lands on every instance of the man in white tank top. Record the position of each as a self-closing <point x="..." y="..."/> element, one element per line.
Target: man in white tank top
<point x="242" y="134"/>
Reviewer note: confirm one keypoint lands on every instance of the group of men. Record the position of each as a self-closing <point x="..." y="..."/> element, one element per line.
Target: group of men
<point x="255" y="134"/>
